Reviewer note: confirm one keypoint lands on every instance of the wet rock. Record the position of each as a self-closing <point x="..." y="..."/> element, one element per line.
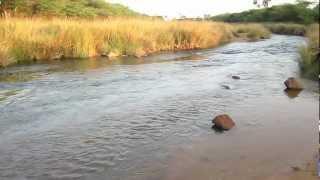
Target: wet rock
<point x="56" y="57"/>
<point x="89" y="141"/>
<point x="226" y="86"/>
<point x="223" y="122"/>
<point x="236" y="77"/>
<point x="296" y="168"/>
<point x="293" y="83"/>
<point x="113" y="54"/>
<point x="140" y="53"/>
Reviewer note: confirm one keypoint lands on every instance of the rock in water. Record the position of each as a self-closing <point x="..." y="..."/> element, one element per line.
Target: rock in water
<point x="225" y="86"/>
<point x="235" y="77"/>
<point x="293" y="83"/>
<point x="223" y="122"/>
<point x="113" y="54"/>
<point x="140" y="53"/>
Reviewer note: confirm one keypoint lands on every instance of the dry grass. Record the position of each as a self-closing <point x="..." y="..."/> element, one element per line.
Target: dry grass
<point x="24" y="40"/>
<point x="251" y="31"/>
<point x="287" y="28"/>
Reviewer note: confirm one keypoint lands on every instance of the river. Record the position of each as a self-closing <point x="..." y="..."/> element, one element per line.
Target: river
<point x="150" y="118"/>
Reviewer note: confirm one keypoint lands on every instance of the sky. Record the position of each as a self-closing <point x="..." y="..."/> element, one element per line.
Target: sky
<point x="191" y="8"/>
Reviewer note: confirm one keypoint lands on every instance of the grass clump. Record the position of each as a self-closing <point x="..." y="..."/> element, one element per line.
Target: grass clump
<point x="310" y="54"/>
<point x="252" y="32"/>
<point x="23" y="40"/>
<point x="287" y="28"/>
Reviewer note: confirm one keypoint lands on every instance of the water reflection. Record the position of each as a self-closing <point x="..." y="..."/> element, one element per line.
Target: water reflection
<point x="6" y="94"/>
<point x="13" y="77"/>
<point x="292" y="93"/>
<point x="217" y="130"/>
<point x="24" y="73"/>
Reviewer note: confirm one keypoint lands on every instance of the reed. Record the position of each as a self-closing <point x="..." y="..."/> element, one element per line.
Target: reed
<point x="24" y="40"/>
<point x="287" y="28"/>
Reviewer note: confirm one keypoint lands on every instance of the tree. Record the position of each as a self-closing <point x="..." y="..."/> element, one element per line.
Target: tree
<point x="300" y="12"/>
<point x="4" y="6"/>
<point x="8" y="7"/>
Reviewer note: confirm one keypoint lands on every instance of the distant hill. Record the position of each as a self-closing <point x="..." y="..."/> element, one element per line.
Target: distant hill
<point x="73" y="8"/>
<point x="300" y="12"/>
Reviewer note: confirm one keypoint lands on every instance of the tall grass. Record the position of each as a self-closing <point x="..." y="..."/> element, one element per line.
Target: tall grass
<point x="24" y="40"/>
<point x="310" y="54"/>
<point x="287" y="28"/>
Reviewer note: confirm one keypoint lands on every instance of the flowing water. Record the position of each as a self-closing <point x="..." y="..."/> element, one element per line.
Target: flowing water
<point x="150" y="118"/>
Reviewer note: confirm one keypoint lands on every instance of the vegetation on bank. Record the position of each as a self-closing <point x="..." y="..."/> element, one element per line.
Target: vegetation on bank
<point x="62" y="8"/>
<point x="287" y="28"/>
<point x="23" y="40"/>
<point x="301" y="12"/>
<point x="27" y="40"/>
<point x="310" y="54"/>
<point x="251" y="31"/>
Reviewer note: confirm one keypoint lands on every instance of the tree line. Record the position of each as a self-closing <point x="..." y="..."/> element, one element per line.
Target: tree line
<point x="304" y="12"/>
<point x="79" y="8"/>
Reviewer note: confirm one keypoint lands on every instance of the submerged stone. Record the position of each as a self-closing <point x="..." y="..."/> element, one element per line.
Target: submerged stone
<point x="235" y="77"/>
<point x="225" y="86"/>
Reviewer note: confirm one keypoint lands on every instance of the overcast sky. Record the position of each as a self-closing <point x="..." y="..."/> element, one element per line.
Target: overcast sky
<point x="191" y="8"/>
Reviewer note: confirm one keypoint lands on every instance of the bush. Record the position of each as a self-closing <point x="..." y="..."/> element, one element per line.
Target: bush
<point x="288" y="29"/>
<point x="251" y="31"/>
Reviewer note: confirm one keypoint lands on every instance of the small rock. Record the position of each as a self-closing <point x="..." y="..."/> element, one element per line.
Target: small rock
<point x="235" y="77"/>
<point x="89" y="141"/>
<point x="296" y="168"/>
<point x="226" y="87"/>
<point x="140" y="53"/>
<point x="56" y="57"/>
<point x="113" y="54"/>
<point x="293" y="83"/>
<point x="223" y="122"/>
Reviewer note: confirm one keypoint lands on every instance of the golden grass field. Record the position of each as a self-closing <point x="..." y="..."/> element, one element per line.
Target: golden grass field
<point x="38" y="39"/>
<point x="26" y="39"/>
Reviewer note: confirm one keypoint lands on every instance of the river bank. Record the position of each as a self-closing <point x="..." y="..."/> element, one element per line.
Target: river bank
<point x="25" y="40"/>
